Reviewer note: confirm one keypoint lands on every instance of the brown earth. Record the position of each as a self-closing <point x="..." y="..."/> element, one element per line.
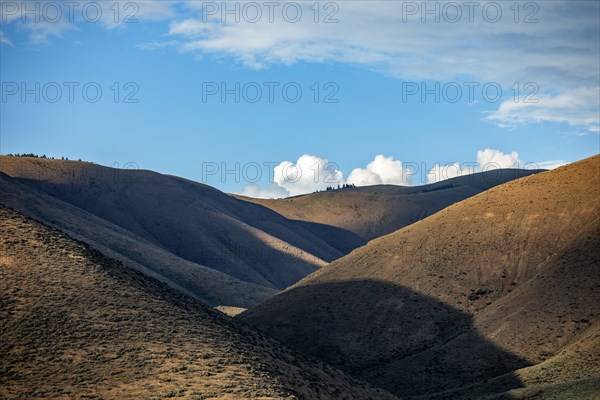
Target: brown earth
<point x="373" y="211"/>
<point x="495" y="295"/>
<point x="76" y="324"/>
<point x="193" y="221"/>
<point x="219" y="249"/>
<point x="206" y="284"/>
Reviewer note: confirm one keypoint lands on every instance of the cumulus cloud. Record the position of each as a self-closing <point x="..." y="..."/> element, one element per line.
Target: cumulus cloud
<point x="442" y="172"/>
<point x="382" y="170"/>
<point x="308" y="174"/>
<point x="493" y="159"/>
<point x="486" y="160"/>
<point x="313" y="173"/>
<point x="292" y="178"/>
<point x="272" y="191"/>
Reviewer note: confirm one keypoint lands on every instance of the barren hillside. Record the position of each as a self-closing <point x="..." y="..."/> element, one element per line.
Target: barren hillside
<point x="193" y="221"/>
<point x="373" y="211"/>
<point x="76" y="324"/>
<point x="505" y="280"/>
<point x="206" y="284"/>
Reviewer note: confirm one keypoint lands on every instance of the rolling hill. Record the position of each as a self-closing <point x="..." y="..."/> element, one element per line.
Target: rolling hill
<point x="373" y="211"/>
<point x="203" y="283"/>
<point x="494" y="295"/>
<point x="222" y="250"/>
<point x="193" y="221"/>
<point x="219" y="249"/>
<point x="77" y="324"/>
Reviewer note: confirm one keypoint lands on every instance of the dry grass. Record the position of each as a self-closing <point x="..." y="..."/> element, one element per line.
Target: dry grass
<point x="76" y="324"/>
<point x="192" y="221"/>
<point x="374" y="211"/>
<point x="491" y="285"/>
<point x="209" y="285"/>
<point x="231" y="311"/>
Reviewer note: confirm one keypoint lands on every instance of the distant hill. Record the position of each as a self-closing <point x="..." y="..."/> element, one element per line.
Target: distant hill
<point x="373" y="211"/>
<point x="76" y="324"/>
<point x="492" y="294"/>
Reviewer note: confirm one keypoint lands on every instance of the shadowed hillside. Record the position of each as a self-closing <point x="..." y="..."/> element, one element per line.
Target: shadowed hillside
<point x="518" y="263"/>
<point x="193" y="221"/>
<point x="206" y="284"/>
<point x="374" y="211"/>
<point x="76" y="324"/>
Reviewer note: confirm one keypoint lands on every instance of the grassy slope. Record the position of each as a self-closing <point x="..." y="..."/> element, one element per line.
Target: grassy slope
<point x="374" y="211"/>
<point x="472" y="292"/>
<point x="206" y="284"/>
<point x="74" y="323"/>
<point x="193" y="221"/>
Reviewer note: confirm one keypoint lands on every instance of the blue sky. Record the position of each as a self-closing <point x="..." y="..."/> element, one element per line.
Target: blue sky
<point x="367" y="124"/>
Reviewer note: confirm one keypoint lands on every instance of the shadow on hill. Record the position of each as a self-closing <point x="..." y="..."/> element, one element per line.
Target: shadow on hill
<point x="393" y="337"/>
<point x="340" y="239"/>
<point x="201" y="225"/>
<point x="490" y="177"/>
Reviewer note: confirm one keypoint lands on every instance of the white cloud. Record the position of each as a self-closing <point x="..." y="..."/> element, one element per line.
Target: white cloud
<point x="45" y="20"/>
<point x="556" y="53"/>
<point x="311" y="173"/>
<point x="443" y="172"/>
<point x="5" y="40"/>
<point x="41" y="32"/>
<point x="364" y="177"/>
<point x="273" y="191"/>
<point x="576" y="107"/>
<point x="157" y="45"/>
<point x="550" y="164"/>
<point x="188" y="27"/>
<point x="486" y="160"/>
<point x="375" y="34"/>
<point x="494" y="159"/>
<point x="308" y="174"/>
<point x="382" y="170"/>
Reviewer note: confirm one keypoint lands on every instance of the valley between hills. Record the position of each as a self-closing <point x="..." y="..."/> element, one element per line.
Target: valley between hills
<point x="121" y="284"/>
